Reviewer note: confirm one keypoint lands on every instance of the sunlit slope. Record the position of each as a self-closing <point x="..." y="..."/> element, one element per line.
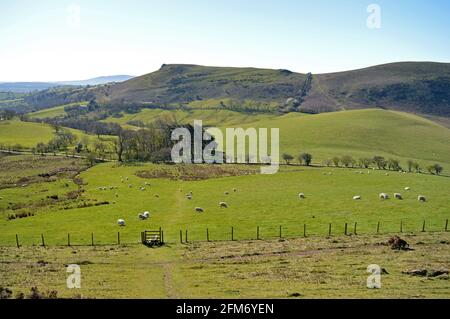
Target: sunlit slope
<point x="28" y="134"/>
<point x="362" y="133"/>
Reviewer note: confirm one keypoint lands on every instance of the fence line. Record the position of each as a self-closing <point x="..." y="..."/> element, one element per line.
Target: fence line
<point x="234" y="231"/>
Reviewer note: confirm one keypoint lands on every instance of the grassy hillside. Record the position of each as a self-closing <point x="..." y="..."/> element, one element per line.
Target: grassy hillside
<point x="56" y="111"/>
<point x="359" y="133"/>
<point x="28" y="134"/>
<point x="416" y="87"/>
<point x="174" y="84"/>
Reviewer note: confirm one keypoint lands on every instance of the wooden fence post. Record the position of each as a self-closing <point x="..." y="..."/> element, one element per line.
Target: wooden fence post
<point x="68" y="240"/>
<point x="181" y="236"/>
<point x="207" y="234"/>
<point x="354" y="229"/>
<point x="281" y="236"/>
<point x="162" y="236"/>
<point x="329" y="229"/>
<point x="17" y="241"/>
<point x="257" y="232"/>
<point x="304" y="230"/>
<point x="423" y="227"/>
<point x="186" y="237"/>
<point x="345" y="231"/>
<point x="43" y="241"/>
<point x="446" y="225"/>
<point x="378" y="227"/>
<point x="232" y="233"/>
<point x="118" y="238"/>
<point x="92" y="239"/>
<point x="401" y="226"/>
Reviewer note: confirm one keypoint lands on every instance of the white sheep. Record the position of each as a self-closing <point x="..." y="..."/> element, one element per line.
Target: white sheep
<point x="407" y="188"/>
<point x="141" y="216"/>
<point x="146" y="215"/>
<point x="357" y="197"/>
<point x="384" y="196"/>
<point x="301" y="196"/>
<point x="421" y="198"/>
<point x="398" y="196"/>
<point x="121" y="222"/>
<point x="188" y="196"/>
<point x="223" y="205"/>
<point x="199" y="210"/>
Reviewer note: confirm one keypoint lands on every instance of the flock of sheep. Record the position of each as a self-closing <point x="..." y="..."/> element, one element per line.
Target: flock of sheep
<point x="383" y="196"/>
<point x="189" y="196"/>
<point x="146" y="215"/>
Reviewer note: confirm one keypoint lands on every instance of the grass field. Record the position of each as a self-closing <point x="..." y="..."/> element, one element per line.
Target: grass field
<point x="28" y="134"/>
<point x="268" y="201"/>
<point x="361" y="133"/>
<point x="334" y="267"/>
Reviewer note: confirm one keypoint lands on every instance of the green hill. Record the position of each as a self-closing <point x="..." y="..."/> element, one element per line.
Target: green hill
<point x="28" y="134"/>
<point x="359" y="133"/>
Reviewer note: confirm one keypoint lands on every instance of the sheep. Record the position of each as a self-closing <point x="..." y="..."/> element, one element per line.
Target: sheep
<point x="156" y="195"/>
<point x="223" y="205"/>
<point x="122" y="180"/>
<point x="357" y="197"/>
<point x="421" y="198"/>
<point x="301" y="196"/>
<point x="121" y="222"/>
<point x="146" y="215"/>
<point x="234" y="190"/>
<point x="188" y="196"/>
<point x="398" y="196"/>
<point x="384" y="196"/>
<point x="387" y="174"/>
<point x="130" y="185"/>
<point x="199" y="210"/>
<point x="407" y="188"/>
<point x="141" y="216"/>
<point x="227" y="193"/>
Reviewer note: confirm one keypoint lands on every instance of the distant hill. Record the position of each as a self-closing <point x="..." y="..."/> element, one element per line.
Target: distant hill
<point x="28" y="87"/>
<point x="25" y="87"/>
<point x="98" y="80"/>
<point x="416" y="87"/>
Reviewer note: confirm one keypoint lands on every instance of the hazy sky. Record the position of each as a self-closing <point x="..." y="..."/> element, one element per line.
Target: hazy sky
<point x="50" y="40"/>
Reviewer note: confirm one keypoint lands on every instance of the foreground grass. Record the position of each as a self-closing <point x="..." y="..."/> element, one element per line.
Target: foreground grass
<point x="334" y="267"/>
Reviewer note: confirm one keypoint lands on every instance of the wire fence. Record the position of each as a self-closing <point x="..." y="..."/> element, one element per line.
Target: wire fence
<point x="231" y="233"/>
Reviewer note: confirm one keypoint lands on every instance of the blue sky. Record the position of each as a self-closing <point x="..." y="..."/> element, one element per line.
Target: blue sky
<point x="50" y="40"/>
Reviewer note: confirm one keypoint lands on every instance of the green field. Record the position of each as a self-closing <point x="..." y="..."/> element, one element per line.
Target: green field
<point x="56" y="111"/>
<point x="28" y="134"/>
<point x="268" y="201"/>
<point x="361" y="133"/>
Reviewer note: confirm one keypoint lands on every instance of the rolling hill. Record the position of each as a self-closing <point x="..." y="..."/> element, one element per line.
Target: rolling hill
<point x="415" y="87"/>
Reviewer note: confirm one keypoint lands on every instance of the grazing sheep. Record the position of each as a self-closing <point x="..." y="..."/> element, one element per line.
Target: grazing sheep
<point x="141" y="217"/>
<point x="188" y="196"/>
<point x="384" y="196"/>
<point x="301" y="196"/>
<point x="146" y="215"/>
<point x="357" y="197"/>
<point x="398" y="196"/>
<point x="122" y="180"/>
<point x="234" y="190"/>
<point x="223" y="205"/>
<point x="407" y="188"/>
<point x="121" y="222"/>
<point x="156" y="195"/>
<point x="421" y="198"/>
<point x="199" y="210"/>
<point x="227" y="193"/>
